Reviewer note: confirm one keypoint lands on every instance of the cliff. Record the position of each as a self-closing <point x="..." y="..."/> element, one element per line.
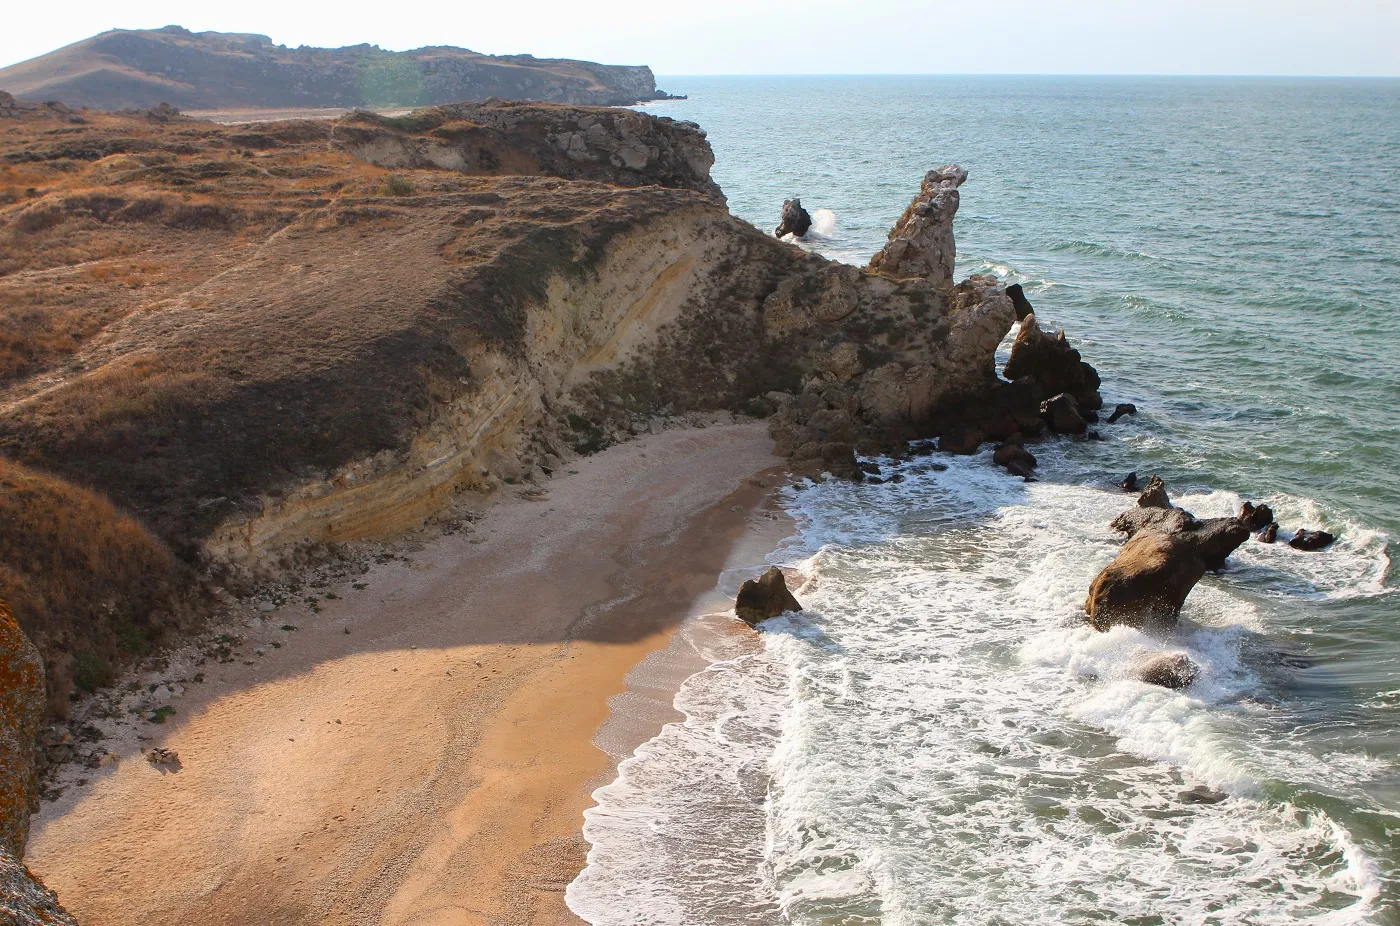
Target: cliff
<point x="254" y="338"/>
<point x="139" y="68"/>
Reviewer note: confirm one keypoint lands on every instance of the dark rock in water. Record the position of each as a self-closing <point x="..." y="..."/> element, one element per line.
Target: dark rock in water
<point x="1007" y="454"/>
<point x="764" y="597"/>
<point x="795" y="220"/>
<point x="1129" y="483"/>
<point x="1121" y="409"/>
<point x="1019" y="301"/>
<point x="1154" y="494"/>
<point x="874" y="481"/>
<point x="1202" y="795"/>
<point x="1019" y="468"/>
<point x="1053" y="364"/>
<point x="1167" y="552"/>
<point x="1305" y="539"/>
<point x="1268" y="534"/>
<point x="960" y="439"/>
<point x="897" y="477"/>
<point x="869" y="468"/>
<point x="1170" y="670"/>
<point x="1061" y="413"/>
<point x="1094" y="435"/>
<point x="1257" y="517"/>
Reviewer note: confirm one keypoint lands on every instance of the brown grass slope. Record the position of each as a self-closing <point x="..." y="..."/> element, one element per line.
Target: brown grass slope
<point x="138" y="68"/>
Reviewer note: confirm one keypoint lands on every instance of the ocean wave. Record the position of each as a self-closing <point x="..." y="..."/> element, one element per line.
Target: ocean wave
<point x="1095" y="249"/>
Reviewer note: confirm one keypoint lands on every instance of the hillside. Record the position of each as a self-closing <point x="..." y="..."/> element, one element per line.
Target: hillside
<point x="139" y="68"/>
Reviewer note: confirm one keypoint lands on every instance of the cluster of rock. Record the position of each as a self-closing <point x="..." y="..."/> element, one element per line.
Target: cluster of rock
<point x="23" y="898"/>
<point x="11" y="108"/>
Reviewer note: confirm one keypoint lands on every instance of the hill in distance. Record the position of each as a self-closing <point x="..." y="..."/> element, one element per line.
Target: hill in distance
<point x="139" y="68"/>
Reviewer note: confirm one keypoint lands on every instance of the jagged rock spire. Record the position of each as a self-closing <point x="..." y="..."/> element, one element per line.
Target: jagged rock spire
<point x="921" y="242"/>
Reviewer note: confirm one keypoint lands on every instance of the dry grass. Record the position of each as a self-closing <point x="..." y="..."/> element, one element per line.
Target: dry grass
<point x="91" y="587"/>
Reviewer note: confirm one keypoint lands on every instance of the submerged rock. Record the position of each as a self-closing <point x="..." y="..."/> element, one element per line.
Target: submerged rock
<point x="1129" y="483"/>
<point x="764" y="597"/>
<point x="921" y="242"/>
<point x="1305" y="539"/>
<point x="1202" y="795"/>
<point x="1121" y="409"/>
<point x="795" y="220"/>
<point x="1170" y="670"/>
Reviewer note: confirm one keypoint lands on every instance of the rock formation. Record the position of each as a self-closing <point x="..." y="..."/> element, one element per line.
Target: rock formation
<point x="1154" y="494"/>
<point x="1170" y="670"/>
<point x="1305" y="539"/>
<point x="921" y="242"/>
<point x="764" y="597"/>
<point x="23" y="899"/>
<point x="1062" y="414"/>
<point x="140" y="68"/>
<point x="1167" y="552"/>
<point x="795" y="220"/>
<point x="1256" y="517"/>
<point x="1019" y="301"/>
<point x="1121" y="409"/>
<point x="1053" y="364"/>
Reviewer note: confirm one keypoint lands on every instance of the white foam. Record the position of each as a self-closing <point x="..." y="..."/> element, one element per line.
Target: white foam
<point x="940" y="738"/>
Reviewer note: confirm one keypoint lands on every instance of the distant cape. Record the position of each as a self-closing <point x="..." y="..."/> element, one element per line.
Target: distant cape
<point x="139" y="68"/>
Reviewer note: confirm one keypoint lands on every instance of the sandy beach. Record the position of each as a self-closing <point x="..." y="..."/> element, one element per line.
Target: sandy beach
<point x="432" y="764"/>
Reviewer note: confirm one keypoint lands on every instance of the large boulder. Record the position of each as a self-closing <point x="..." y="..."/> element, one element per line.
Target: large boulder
<point x="921" y="242"/>
<point x="21" y="711"/>
<point x="1305" y="539"/>
<point x="795" y="220"/>
<point x="1052" y="362"/>
<point x="764" y="597"/>
<point x="1167" y="552"/>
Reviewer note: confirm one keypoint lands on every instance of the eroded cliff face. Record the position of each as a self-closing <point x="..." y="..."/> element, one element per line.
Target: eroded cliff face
<point x="254" y="338"/>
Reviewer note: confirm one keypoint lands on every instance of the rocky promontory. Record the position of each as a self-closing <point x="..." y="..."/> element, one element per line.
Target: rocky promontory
<point x="140" y="68"/>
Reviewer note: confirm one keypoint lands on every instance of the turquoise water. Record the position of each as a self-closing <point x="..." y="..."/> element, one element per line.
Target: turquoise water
<point x="938" y="738"/>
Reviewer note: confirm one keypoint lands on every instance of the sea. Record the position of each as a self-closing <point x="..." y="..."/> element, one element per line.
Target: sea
<point x="939" y="737"/>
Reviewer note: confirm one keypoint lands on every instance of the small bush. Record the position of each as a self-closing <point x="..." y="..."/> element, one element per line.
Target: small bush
<point x="397" y="186"/>
<point x="162" y="712"/>
<point x="757" y="408"/>
<point x="91" y="672"/>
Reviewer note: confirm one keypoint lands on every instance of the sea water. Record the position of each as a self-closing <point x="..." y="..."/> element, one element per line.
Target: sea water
<point x="938" y="737"/>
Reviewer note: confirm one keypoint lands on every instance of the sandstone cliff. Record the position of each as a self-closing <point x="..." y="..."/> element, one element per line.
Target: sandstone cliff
<point x="252" y="338"/>
<point x="138" y="68"/>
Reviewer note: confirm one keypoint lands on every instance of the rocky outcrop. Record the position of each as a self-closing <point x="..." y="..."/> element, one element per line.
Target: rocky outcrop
<point x="24" y="900"/>
<point x="1062" y="414"/>
<point x="1170" y="670"/>
<point x="921" y="242"/>
<point x="140" y="68"/>
<point x="1051" y="362"/>
<point x="1256" y="517"/>
<point x="795" y="220"/>
<point x="764" y="597"/>
<point x="1167" y="552"/>
<point x="21" y="711"/>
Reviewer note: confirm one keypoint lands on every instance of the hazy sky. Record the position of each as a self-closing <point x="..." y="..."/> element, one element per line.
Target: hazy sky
<point x="1341" y="37"/>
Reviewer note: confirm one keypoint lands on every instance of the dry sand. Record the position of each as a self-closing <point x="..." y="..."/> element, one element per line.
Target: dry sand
<point x="431" y="766"/>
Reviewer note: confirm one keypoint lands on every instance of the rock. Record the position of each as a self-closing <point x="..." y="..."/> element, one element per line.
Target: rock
<point x="1053" y="363"/>
<point x="1019" y="300"/>
<point x="1019" y="468"/>
<point x="921" y="242"/>
<point x="1257" y="517"/>
<point x="1201" y="795"/>
<point x="1154" y="494"/>
<point x="1009" y="453"/>
<point x="960" y="439"/>
<point x="1167" y="552"/>
<point x="795" y="221"/>
<point x="1305" y="539"/>
<point x="1129" y="483"/>
<point x="24" y="900"/>
<point x="1170" y="670"/>
<point x="764" y="597"/>
<point x="1121" y="409"/>
<point x="1061" y="413"/>
<point x="164" y="758"/>
<point x="1268" y="534"/>
<point x="22" y="698"/>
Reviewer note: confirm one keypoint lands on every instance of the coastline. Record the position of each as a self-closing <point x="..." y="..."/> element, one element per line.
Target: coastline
<point x="422" y="750"/>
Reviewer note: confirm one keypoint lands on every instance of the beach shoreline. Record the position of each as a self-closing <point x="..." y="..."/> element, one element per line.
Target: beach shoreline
<point x="423" y="749"/>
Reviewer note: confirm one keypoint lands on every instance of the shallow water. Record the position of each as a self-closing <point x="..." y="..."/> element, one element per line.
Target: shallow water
<point x="938" y="738"/>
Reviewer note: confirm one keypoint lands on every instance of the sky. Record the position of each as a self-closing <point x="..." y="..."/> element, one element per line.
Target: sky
<point x="1341" y="37"/>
